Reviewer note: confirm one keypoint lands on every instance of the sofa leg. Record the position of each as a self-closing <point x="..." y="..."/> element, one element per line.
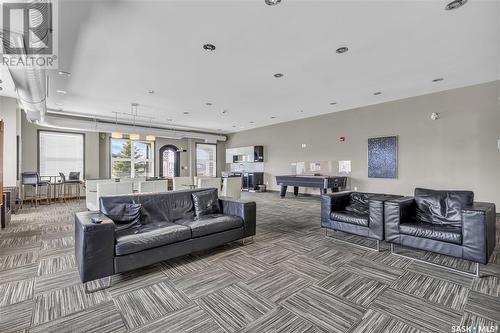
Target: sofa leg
<point x="246" y="240"/>
<point x="377" y="246"/>
<point x="476" y="273"/>
<point x="107" y="285"/>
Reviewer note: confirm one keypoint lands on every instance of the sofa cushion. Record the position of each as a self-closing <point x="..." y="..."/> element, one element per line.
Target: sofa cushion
<point x="444" y="233"/>
<point x="358" y="203"/>
<point x="206" y="203"/>
<point x="124" y="215"/>
<point x="350" y="217"/>
<point x="142" y="237"/>
<point x="441" y="207"/>
<point x="211" y="224"/>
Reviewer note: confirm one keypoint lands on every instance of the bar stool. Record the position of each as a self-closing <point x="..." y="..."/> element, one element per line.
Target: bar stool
<point x="32" y="180"/>
<point x="73" y="179"/>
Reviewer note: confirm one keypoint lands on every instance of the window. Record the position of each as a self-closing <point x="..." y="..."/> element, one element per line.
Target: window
<point x="60" y="152"/>
<point x="169" y="161"/>
<point x="131" y="159"/>
<point x="206" y="159"/>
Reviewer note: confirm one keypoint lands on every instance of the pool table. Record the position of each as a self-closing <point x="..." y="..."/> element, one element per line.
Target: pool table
<point x="322" y="182"/>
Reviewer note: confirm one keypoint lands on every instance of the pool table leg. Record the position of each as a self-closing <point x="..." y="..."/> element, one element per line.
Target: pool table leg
<point x="322" y="191"/>
<point x="296" y="190"/>
<point x="283" y="191"/>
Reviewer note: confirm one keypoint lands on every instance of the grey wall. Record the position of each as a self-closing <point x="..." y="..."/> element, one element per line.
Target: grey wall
<point x="458" y="151"/>
<point x="30" y="148"/>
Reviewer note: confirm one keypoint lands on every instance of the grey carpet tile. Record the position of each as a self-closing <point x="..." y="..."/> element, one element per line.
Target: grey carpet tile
<point x="473" y="320"/>
<point x="20" y="273"/>
<point x="19" y="242"/>
<point x="374" y="270"/>
<point x="16" y="291"/>
<point x="56" y="264"/>
<point x="295" y="245"/>
<point x="59" y="280"/>
<point x="244" y="266"/>
<point x="487" y="284"/>
<point x="441" y="273"/>
<point x="358" y="289"/>
<point x="385" y="257"/>
<point x="56" y="252"/>
<point x="146" y="304"/>
<point x="181" y="266"/>
<point x="343" y="247"/>
<point x="378" y="322"/>
<point x="18" y="260"/>
<point x="484" y="306"/>
<point x="450" y="261"/>
<point x="65" y="301"/>
<point x="416" y="311"/>
<point x="130" y="281"/>
<point x="201" y="283"/>
<point x="272" y="254"/>
<point x="330" y="256"/>
<point x="102" y="318"/>
<point x="434" y="290"/>
<point x="307" y="267"/>
<point x="325" y="310"/>
<point x="277" y="284"/>
<point x="281" y="321"/>
<point x="235" y="306"/>
<point x="58" y="243"/>
<point x="190" y="319"/>
<point x="16" y="317"/>
<point x="6" y="251"/>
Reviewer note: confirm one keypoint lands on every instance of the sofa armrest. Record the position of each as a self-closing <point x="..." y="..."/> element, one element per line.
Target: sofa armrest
<point x="332" y="202"/>
<point x="244" y="209"/>
<point x="94" y="246"/>
<point x="478" y="231"/>
<point x="395" y="211"/>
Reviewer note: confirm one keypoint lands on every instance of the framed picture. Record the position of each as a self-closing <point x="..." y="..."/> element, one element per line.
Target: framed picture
<point x="383" y="157"/>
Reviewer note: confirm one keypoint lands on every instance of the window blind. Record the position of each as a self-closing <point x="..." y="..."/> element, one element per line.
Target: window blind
<point x="60" y="152"/>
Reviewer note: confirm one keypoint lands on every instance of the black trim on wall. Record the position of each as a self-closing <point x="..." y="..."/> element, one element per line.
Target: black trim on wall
<point x="64" y="132"/>
<point x="177" y="162"/>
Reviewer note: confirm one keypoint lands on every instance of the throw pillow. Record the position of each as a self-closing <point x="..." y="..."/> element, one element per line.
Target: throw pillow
<point x="205" y="203"/>
<point x="124" y="215"/>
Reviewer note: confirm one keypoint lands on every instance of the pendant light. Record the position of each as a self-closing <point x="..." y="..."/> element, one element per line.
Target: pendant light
<point x="134" y="136"/>
<point x="116" y="134"/>
<point x="150" y="137"/>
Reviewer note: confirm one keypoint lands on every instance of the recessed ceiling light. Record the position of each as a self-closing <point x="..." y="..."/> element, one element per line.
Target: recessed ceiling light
<point x="300" y="111"/>
<point x="62" y="92"/>
<point x="273" y="117"/>
<point x="60" y="104"/>
<point x="185" y="112"/>
<point x="455" y="4"/>
<point x="333" y="103"/>
<point x="377" y="93"/>
<point x="272" y="2"/>
<point x="225" y="112"/>
<point x="209" y="47"/>
<point x="233" y="126"/>
<point x="342" y="49"/>
<point x="252" y="122"/>
<point x="438" y="79"/>
<point x="64" y="73"/>
<point x="169" y="119"/>
<point x="150" y="91"/>
<point x="208" y="103"/>
<point x="278" y="75"/>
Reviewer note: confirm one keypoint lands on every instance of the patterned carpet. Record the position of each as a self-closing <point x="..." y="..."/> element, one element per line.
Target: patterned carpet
<point x="291" y="279"/>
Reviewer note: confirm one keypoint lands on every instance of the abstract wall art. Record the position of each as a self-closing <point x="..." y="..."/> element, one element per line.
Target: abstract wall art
<point x="383" y="157"/>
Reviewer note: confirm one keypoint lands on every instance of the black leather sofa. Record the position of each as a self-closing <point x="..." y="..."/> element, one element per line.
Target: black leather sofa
<point x="445" y="222"/>
<point x="167" y="228"/>
<point x="356" y="213"/>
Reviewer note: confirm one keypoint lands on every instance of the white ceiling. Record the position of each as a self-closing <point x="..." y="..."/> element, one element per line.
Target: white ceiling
<point x="117" y="50"/>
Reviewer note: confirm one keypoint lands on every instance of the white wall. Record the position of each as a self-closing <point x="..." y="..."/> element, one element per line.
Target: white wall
<point x="458" y="151"/>
<point x="9" y="113"/>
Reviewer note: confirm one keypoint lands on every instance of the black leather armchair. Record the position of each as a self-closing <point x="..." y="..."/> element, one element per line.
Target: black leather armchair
<point x="445" y="222"/>
<point x="356" y="213"/>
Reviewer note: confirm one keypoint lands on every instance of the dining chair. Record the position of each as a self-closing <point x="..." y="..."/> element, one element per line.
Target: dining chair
<point x="31" y="180"/>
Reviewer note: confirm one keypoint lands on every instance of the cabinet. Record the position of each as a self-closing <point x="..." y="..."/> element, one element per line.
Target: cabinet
<point x="245" y="154"/>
